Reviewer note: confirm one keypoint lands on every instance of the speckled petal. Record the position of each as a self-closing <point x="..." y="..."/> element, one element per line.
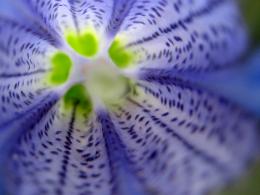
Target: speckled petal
<point x="55" y="17"/>
<point x="24" y="57"/>
<point x="124" y="176"/>
<point x="121" y="9"/>
<point x="63" y="153"/>
<point x="181" y="35"/>
<point x="12" y="131"/>
<point x="24" y="97"/>
<point x="60" y="18"/>
<point x="66" y="153"/>
<point x="182" y="139"/>
<point x="93" y="14"/>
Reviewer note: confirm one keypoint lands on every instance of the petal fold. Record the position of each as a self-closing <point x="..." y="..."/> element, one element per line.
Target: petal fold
<point x="122" y="170"/>
<point x="12" y="131"/>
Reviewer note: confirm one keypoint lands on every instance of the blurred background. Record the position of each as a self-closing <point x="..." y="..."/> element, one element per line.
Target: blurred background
<point x="240" y="84"/>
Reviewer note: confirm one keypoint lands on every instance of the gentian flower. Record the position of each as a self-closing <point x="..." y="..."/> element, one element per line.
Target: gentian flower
<point x="97" y="97"/>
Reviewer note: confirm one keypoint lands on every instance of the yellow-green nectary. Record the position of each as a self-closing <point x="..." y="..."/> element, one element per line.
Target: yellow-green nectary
<point x="61" y="68"/>
<point x="86" y="44"/>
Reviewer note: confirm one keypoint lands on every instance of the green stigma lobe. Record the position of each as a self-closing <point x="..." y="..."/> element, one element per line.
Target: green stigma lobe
<point x="78" y="94"/>
<point x="119" y="55"/>
<point x="86" y="44"/>
<point x="61" y="66"/>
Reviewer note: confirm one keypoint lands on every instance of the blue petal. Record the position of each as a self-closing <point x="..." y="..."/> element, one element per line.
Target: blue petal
<point x="182" y="139"/>
<point x="24" y="57"/>
<point x="24" y="98"/>
<point x="61" y="154"/>
<point x="184" y="35"/>
<point x="11" y="132"/>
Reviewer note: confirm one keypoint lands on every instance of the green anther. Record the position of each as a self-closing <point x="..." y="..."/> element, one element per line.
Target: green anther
<point x="86" y="44"/>
<point x="61" y="66"/>
<point x="78" y="95"/>
<point x="120" y="56"/>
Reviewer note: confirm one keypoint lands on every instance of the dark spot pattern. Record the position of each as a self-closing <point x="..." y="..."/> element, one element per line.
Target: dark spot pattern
<point x="178" y="135"/>
<point x="121" y="9"/>
<point x="61" y="155"/>
<point x="60" y="17"/>
<point x="184" y="34"/>
<point x="92" y="14"/>
<point x="124" y="176"/>
<point x="54" y="16"/>
<point x="160" y="143"/>
<point x="23" y="65"/>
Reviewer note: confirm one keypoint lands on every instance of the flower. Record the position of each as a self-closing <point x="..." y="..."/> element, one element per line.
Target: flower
<point x="97" y="97"/>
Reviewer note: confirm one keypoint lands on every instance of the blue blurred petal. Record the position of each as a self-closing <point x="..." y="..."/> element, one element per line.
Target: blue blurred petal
<point x="241" y="85"/>
<point x="7" y="9"/>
